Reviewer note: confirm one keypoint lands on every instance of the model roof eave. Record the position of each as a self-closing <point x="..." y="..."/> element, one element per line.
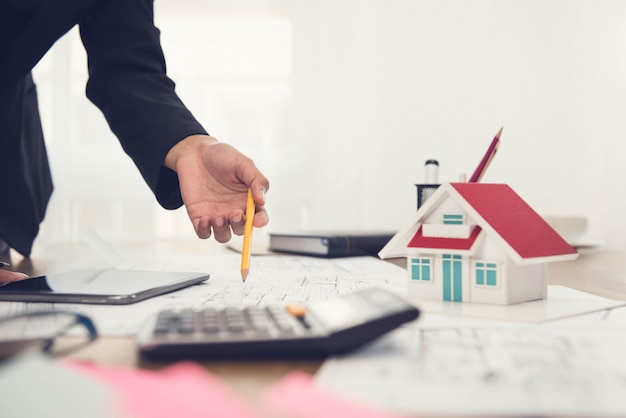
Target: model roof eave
<point x="517" y="243"/>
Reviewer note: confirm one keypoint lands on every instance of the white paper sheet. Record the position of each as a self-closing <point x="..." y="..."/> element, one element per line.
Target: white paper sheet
<point x="272" y="279"/>
<point x="562" y="302"/>
<point x="497" y="369"/>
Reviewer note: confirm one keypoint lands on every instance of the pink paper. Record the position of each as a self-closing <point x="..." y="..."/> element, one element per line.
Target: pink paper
<point x="296" y="396"/>
<point x="182" y="390"/>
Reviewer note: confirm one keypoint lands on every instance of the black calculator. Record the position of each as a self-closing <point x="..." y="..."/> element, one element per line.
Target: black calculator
<point x="331" y="326"/>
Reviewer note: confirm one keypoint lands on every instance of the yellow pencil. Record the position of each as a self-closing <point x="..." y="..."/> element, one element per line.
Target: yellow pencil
<point x="247" y="237"/>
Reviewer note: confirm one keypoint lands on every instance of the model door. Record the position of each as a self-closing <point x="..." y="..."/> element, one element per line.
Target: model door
<point x="452" y="278"/>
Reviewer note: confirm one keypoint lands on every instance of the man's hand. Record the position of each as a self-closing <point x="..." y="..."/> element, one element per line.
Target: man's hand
<point x="7" y="276"/>
<point x="214" y="178"/>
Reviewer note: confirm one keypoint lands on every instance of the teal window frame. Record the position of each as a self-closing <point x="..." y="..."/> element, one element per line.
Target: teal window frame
<point x="421" y="269"/>
<point x="486" y="274"/>
<point x="453" y="219"/>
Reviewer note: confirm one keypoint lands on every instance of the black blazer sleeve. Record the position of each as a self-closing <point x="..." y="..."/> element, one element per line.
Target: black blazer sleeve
<point x="128" y="83"/>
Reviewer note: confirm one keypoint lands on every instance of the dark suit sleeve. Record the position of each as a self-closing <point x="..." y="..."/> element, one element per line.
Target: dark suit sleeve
<point x="127" y="81"/>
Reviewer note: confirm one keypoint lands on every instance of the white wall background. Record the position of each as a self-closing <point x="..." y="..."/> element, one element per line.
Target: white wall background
<point x="341" y="102"/>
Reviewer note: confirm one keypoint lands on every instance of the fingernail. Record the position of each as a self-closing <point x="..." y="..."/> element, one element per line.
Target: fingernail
<point x="203" y="228"/>
<point x="264" y="219"/>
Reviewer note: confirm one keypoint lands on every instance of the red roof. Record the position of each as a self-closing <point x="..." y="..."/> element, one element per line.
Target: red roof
<point x="420" y="241"/>
<point x="510" y="216"/>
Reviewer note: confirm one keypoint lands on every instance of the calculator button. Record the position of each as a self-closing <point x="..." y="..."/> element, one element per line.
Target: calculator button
<point x="260" y="327"/>
<point x="184" y="322"/>
<point x="162" y="326"/>
<point x="164" y="322"/>
<point x="235" y="326"/>
<point x="210" y="327"/>
<point x="258" y="320"/>
<point x="284" y="325"/>
<point x="296" y="310"/>
<point x="185" y="327"/>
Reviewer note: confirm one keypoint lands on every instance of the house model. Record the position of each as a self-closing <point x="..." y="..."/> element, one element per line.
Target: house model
<point x="477" y="242"/>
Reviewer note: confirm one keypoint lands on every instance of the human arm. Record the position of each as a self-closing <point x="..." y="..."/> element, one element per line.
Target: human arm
<point x="129" y="84"/>
<point x="175" y="155"/>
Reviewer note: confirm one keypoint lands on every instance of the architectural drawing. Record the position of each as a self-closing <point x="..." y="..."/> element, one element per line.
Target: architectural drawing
<point x="488" y="371"/>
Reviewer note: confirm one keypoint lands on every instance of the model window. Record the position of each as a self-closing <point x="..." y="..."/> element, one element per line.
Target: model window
<point x="486" y="274"/>
<point x="421" y="269"/>
<point x="453" y="219"/>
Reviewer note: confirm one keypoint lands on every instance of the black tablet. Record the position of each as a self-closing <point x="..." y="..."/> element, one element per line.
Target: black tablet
<point x="102" y="286"/>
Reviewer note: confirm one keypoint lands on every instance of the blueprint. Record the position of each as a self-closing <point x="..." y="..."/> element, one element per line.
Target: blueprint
<point x="573" y="368"/>
<point x="272" y="279"/>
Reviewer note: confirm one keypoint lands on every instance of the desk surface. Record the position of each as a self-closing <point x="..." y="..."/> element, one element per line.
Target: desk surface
<point x="600" y="272"/>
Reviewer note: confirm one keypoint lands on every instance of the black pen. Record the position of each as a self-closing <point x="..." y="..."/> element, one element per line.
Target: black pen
<point x="3" y="264"/>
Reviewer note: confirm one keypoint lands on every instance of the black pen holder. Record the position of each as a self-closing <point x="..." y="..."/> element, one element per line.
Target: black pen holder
<point x="424" y="191"/>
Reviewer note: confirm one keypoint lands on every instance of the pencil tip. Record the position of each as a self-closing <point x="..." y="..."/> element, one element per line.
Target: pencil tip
<point x="499" y="132"/>
<point x="244" y="274"/>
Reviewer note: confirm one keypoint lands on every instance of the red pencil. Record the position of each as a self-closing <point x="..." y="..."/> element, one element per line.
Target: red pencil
<point x="484" y="163"/>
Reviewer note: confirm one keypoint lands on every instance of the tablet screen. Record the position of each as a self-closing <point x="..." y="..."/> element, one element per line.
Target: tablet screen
<point x="98" y="286"/>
